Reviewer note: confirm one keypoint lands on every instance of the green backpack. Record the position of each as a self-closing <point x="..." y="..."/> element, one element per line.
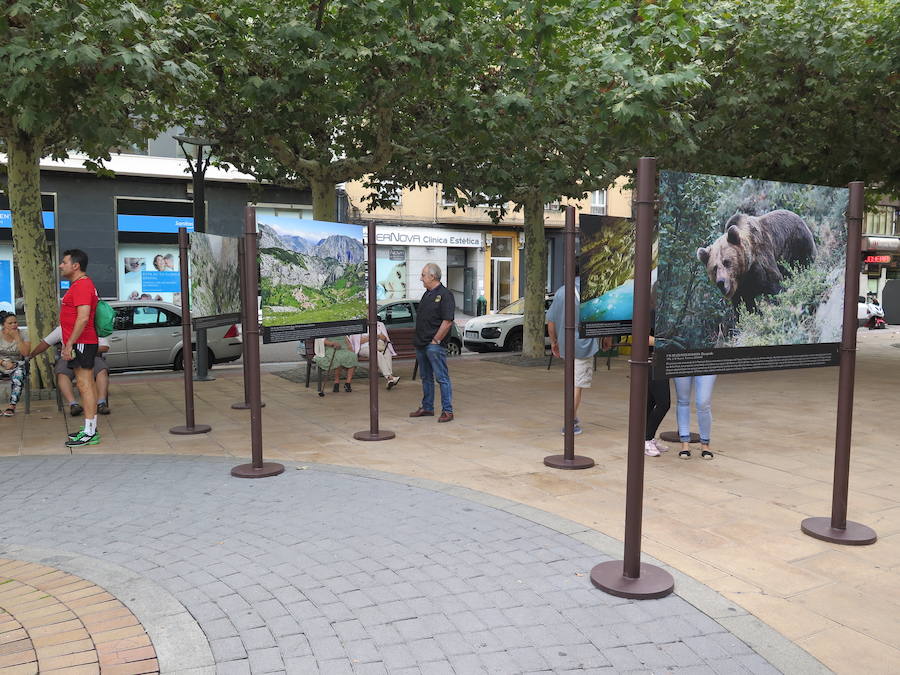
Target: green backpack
<point x="104" y="319"/>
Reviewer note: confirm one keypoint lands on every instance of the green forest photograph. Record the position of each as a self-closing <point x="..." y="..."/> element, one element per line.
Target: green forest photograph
<point x="748" y="263"/>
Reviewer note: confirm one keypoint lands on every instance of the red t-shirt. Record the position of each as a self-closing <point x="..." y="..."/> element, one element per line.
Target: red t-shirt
<point x="81" y="292"/>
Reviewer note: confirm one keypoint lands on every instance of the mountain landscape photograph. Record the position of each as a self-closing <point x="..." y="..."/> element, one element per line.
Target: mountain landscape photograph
<point x="311" y="271"/>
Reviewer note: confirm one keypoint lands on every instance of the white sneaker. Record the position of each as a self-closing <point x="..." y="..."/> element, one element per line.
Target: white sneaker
<point x="650" y="449"/>
<point x="659" y="446"/>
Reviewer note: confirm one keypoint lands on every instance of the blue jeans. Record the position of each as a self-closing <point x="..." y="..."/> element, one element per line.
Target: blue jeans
<point x="433" y="366"/>
<point x="703" y="388"/>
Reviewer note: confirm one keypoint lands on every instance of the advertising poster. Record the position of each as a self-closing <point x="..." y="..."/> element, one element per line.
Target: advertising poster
<point x="215" y="279"/>
<point x="607" y="268"/>
<point x="751" y="275"/>
<point x="7" y="301"/>
<point x="390" y="273"/>
<point x="149" y="272"/>
<point x="312" y="277"/>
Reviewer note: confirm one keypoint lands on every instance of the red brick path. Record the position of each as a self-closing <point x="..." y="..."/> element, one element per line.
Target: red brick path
<point x="52" y="621"/>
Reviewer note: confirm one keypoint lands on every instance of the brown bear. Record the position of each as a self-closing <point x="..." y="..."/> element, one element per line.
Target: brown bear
<point x="748" y="259"/>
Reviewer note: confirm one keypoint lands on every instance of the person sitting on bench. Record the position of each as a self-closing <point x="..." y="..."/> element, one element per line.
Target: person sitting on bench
<point x="65" y="375"/>
<point x="384" y="353"/>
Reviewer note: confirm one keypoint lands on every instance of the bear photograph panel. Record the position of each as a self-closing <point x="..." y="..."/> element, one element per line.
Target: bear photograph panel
<point x="748" y="263"/>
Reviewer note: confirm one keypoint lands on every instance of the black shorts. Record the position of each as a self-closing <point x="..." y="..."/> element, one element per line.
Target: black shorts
<point x="83" y="356"/>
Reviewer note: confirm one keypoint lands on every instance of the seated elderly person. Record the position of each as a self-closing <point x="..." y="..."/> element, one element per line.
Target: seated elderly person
<point x="13" y="350"/>
<point x="384" y="353"/>
<point x="65" y="374"/>
<point x="337" y="353"/>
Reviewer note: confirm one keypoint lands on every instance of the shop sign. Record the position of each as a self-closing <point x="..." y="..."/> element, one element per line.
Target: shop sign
<point x="48" y="216"/>
<point x="870" y="259"/>
<point x="425" y="236"/>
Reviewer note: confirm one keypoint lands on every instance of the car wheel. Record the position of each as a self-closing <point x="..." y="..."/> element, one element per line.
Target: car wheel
<point x="178" y="364"/>
<point x="513" y="342"/>
<point x="454" y="348"/>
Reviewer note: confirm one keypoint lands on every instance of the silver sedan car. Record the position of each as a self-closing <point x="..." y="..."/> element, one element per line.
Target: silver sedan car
<point x="148" y="335"/>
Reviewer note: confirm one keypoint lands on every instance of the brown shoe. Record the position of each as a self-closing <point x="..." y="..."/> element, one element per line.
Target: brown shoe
<point x="445" y="417"/>
<point x="421" y="412"/>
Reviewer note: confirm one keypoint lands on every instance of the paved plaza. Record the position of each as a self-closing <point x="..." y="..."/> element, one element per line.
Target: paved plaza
<point x="318" y="571"/>
<point x="450" y="548"/>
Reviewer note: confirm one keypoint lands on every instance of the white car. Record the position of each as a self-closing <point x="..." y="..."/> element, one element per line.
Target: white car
<point x="502" y="330"/>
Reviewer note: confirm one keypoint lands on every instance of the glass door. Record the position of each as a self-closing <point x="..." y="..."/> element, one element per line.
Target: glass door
<point x="501" y="272"/>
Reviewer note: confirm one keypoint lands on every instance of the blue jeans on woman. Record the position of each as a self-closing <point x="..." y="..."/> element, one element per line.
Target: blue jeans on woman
<point x="703" y="388"/>
<point x="433" y="366"/>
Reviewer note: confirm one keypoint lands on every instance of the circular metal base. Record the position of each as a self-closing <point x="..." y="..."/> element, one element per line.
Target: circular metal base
<point x="188" y="431"/>
<point x="654" y="582"/>
<point x="266" y="470"/>
<point x="560" y="462"/>
<point x="855" y="534"/>
<point x="208" y="378"/>
<point x="243" y="405"/>
<point x="380" y="435"/>
<point x="673" y="437"/>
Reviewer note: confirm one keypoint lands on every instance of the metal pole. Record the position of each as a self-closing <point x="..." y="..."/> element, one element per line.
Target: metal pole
<point x="568" y="460"/>
<point x="186" y="356"/>
<point x="631" y="579"/>
<point x="242" y="277"/>
<point x="202" y="358"/>
<point x="373" y="433"/>
<point x="838" y="529"/>
<point x="258" y="468"/>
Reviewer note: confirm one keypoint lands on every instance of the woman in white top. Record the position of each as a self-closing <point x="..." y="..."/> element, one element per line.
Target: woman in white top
<point x="384" y="353"/>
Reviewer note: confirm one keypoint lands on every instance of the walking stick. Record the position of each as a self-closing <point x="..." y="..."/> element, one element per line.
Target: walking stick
<point x="321" y="390"/>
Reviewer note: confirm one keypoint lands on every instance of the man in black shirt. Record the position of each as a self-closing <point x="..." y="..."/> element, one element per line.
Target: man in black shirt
<point x="433" y="322"/>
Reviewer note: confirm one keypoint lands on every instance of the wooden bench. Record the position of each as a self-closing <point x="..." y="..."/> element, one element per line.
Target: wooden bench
<point x="401" y="338"/>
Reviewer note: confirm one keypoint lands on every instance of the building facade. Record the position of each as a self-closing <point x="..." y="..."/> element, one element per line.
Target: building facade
<point x="480" y="258"/>
<point x="128" y="225"/>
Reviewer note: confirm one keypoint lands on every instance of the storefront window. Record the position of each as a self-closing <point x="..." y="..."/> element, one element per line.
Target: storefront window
<point x="391" y="274"/>
<point x="149" y="272"/>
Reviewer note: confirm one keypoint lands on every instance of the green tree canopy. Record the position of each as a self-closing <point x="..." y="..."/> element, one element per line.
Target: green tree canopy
<point x="806" y="91"/>
<point x="80" y="76"/>
<point x="317" y="95"/>
<point x="557" y="98"/>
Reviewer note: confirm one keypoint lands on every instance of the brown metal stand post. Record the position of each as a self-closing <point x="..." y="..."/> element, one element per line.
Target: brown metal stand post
<point x="258" y="468"/>
<point x="837" y="529"/>
<point x="632" y="578"/>
<point x="187" y="357"/>
<point x="248" y="314"/>
<point x="373" y="433"/>
<point x="569" y="460"/>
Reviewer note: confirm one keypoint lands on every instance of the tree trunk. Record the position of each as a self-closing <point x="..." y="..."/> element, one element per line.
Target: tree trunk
<point x="535" y="277"/>
<point x="324" y="199"/>
<point x="31" y="250"/>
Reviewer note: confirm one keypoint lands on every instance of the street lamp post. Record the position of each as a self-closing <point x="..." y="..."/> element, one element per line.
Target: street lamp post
<point x="198" y="166"/>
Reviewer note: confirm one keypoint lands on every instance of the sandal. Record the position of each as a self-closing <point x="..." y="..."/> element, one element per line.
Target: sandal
<point x="347" y="387"/>
<point x="706" y="454"/>
<point x="684" y="454"/>
<point x="10" y="411"/>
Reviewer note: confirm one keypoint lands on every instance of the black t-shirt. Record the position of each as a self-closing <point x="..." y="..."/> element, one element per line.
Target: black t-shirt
<point x="436" y="306"/>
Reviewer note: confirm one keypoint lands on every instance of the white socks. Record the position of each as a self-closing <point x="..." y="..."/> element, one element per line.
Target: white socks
<point x="90" y="426"/>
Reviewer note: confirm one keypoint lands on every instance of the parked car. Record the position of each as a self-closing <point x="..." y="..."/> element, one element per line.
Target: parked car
<point x="402" y="314"/>
<point x="148" y="335"/>
<point x="502" y="330"/>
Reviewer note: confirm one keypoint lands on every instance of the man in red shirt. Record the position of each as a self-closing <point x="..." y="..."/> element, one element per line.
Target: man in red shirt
<point x="80" y="343"/>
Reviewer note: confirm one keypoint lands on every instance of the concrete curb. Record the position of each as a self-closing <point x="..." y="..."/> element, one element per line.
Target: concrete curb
<point x="181" y="646"/>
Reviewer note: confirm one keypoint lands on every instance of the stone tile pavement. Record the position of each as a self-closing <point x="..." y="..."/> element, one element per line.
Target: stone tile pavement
<point x="320" y="571"/>
<point x="732" y="524"/>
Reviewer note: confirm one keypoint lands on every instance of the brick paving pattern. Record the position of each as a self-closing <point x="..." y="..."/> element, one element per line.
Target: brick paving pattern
<point x="55" y="622"/>
<point x="319" y="572"/>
